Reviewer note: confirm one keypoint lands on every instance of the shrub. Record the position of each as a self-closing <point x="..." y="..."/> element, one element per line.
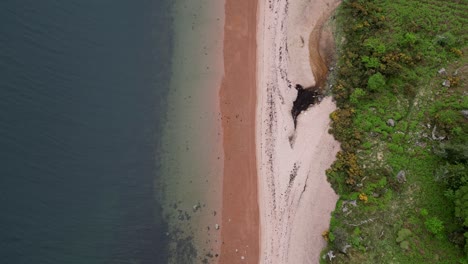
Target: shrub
<point x="376" y="82"/>
<point x="371" y="62"/>
<point x="357" y="94"/>
<point x="424" y="212"/>
<point x="363" y="197"/>
<point x="435" y="226"/>
<point x="403" y="234"/>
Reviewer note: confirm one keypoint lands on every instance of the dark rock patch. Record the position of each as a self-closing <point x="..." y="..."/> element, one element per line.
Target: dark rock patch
<point x="305" y="98"/>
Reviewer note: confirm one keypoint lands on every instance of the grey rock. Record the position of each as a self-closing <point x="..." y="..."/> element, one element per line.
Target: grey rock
<point x="465" y="113"/>
<point x="345" y="248"/>
<point x="442" y="71"/>
<point x="434" y="134"/>
<point x="446" y="83"/>
<point x="330" y="255"/>
<point x="391" y="122"/>
<point x="401" y="176"/>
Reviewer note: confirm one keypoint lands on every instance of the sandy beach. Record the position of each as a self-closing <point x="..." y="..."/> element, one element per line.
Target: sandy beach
<point x="295" y="199"/>
<point x="276" y="199"/>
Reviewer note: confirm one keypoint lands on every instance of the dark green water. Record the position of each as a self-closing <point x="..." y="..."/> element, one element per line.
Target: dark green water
<point x="83" y="85"/>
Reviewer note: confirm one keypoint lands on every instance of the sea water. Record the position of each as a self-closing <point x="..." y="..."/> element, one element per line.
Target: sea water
<point x="110" y="140"/>
<point x="83" y="98"/>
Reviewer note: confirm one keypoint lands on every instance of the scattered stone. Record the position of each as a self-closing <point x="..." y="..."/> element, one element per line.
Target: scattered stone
<point x="345" y="248"/>
<point x="196" y="207"/>
<point x="242" y="257"/>
<point x="446" y="83"/>
<point x="434" y="136"/>
<point x="217" y="227"/>
<point x="330" y="255"/>
<point x="401" y="176"/>
<point x="391" y="122"/>
<point x="379" y="156"/>
<point x="465" y="113"/>
<point x="442" y="71"/>
<point x="237" y="250"/>
<point x="421" y="144"/>
<point x="344" y="206"/>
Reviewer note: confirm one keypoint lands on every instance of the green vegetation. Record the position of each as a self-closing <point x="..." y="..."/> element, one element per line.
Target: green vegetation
<point x="402" y="124"/>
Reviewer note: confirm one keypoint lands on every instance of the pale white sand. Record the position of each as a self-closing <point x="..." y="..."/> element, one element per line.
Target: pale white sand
<point x="294" y="210"/>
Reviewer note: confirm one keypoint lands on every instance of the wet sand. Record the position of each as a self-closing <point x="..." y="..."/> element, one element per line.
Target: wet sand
<point x="240" y="213"/>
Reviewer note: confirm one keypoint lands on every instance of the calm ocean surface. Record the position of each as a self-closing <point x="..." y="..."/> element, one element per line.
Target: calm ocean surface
<point x="83" y="85"/>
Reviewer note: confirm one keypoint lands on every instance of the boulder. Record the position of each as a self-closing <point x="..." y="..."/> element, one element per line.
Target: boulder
<point x="401" y="176"/>
<point x="391" y="122"/>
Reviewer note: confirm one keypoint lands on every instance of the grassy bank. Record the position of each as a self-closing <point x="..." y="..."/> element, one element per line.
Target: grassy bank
<point x="400" y="85"/>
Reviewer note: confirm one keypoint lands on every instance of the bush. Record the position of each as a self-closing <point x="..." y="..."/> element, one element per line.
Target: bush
<point x="376" y="82"/>
<point x="435" y="226"/>
<point x="403" y="234"/>
<point x="371" y="62"/>
<point x="357" y="94"/>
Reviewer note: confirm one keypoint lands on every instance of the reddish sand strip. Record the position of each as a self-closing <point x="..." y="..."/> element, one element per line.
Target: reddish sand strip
<point x="240" y="215"/>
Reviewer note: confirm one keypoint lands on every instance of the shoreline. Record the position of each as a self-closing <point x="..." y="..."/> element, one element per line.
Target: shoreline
<point x="295" y="199"/>
<point x="240" y="212"/>
<point x="192" y="138"/>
